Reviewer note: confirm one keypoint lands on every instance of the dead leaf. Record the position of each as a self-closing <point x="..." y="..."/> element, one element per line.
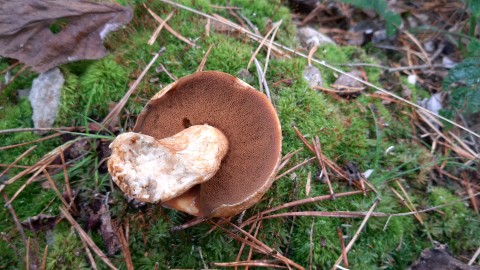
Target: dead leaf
<point x="27" y="30"/>
<point x="40" y="222"/>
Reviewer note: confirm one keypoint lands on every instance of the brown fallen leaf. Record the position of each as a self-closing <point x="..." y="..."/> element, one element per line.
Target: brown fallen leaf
<point x="26" y="35"/>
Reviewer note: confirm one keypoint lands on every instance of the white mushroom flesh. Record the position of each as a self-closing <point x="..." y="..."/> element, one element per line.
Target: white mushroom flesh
<point x="153" y="170"/>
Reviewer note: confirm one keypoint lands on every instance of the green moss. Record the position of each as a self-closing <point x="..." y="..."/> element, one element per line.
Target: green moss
<point x="349" y="132"/>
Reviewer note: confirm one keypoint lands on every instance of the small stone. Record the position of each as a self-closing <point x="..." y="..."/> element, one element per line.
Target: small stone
<point x="313" y="76"/>
<point x="310" y="37"/>
<point x="45" y="97"/>
<point x="351" y="87"/>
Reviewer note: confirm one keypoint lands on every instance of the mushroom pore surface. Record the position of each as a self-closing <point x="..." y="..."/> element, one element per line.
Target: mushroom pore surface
<point x="245" y="117"/>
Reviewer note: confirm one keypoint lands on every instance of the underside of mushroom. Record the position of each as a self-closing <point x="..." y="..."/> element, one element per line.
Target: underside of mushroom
<point x="153" y="170"/>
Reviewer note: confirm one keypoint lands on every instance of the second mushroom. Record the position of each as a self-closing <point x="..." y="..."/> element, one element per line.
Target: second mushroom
<point x="208" y="145"/>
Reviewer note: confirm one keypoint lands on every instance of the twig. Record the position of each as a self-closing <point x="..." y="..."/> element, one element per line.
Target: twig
<point x="67" y="182"/>
<point x="44" y="259"/>
<point x="27" y="254"/>
<point x="13" y="78"/>
<point x="269" y="250"/>
<point x="308" y="184"/>
<point x="256" y="263"/>
<point x="426" y="58"/>
<point x="15" y="219"/>
<point x="159" y="29"/>
<point x="54" y="187"/>
<point x="86" y="238"/>
<point x="204" y="59"/>
<point x="30" y="142"/>
<point x="312" y="14"/>
<point x="318" y="154"/>
<point x="13" y="130"/>
<point x="342" y="245"/>
<point x="254" y="55"/>
<point x="472" y="260"/>
<point x="311" y="53"/>
<point x="359" y="230"/>
<point x="276" y="26"/>
<point x="261" y="80"/>
<point x="303" y="201"/>
<point x="191" y="223"/>
<point x="9" y="67"/>
<point x="240" y="251"/>
<point x="125" y="249"/>
<point x="296" y="167"/>
<point x="250" y="252"/>
<point x="409" y="201"/>
<point x="470" y="192"/>
<point x="17" y="160"/>
<point x="169" y="29"/>
<point x="115" y="111"/>
<point x="310" y="254"/>
<point x="170" y="75"/>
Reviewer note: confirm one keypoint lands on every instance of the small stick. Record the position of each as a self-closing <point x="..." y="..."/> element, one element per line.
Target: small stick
<point x="424" y="53"/>
<point x="89" y="254"/>
<point x="204" y="59"/>
<point x="44" y="259"/>
<point x="303" y="201"/>
<point x="170" y="75"/>
<point x="318" y="153"/>
<point x="404" y="202"/>
<point x="115" y="111"/>
<point x="240" y="251"/>
<point x="34" y="141"/>
<point x="311" y="53"/>
<point x="270" y="250"/>
<point x="14" y="78"/>
<point x="54" y="187"/>
<point x="17" y="160"/>
<point x="67" y="183"/>
<point x="472" y="260"/>
<point x="311" y="244"/>
<point x="296" y="167"/>
<point x="191" y="223"/>
<point x="312" y="14"/>
<point x="308" y="185"/>
<point x="13" y="130"/>
<point x="83" y="235"/>
<point x="261" y="80"/>
<point x="159" y="29"/>
<point x="169" y="29"/>
<point x="15" y="219"/>
<point x="409" y="201"/>
<point x="27" y="254"/>
<point x="256" y="263"/>
<point x="250" y="252"/>
<point x="342" y="244"/>
<point x="9" y="67"/>
<point x="207" y="27"/>
<point x="267" y="59"/>
<point x="254" y="55"/>
<point x="355" y="236"/>
<point x="125" y="249"/>
<point x="470" y="191"/>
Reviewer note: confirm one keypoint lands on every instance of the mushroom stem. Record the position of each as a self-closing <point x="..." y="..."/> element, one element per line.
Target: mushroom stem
<point x="153" y="170"/>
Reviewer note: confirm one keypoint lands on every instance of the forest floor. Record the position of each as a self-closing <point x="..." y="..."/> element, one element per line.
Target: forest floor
<point x="403" y="180"/>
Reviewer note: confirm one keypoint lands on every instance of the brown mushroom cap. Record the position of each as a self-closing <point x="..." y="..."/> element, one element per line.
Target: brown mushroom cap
<point x="247" y="119"/>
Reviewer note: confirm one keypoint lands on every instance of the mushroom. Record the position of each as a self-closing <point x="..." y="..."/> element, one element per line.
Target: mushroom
<point x="208" y="145"/>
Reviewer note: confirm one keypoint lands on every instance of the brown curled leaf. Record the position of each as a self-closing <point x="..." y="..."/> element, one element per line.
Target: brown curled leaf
<point x="46" y="33"/>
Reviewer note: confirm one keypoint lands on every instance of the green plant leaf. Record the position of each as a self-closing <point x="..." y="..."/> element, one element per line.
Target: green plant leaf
<point x="463" y="84"/>
<point x="392" y="19"/>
